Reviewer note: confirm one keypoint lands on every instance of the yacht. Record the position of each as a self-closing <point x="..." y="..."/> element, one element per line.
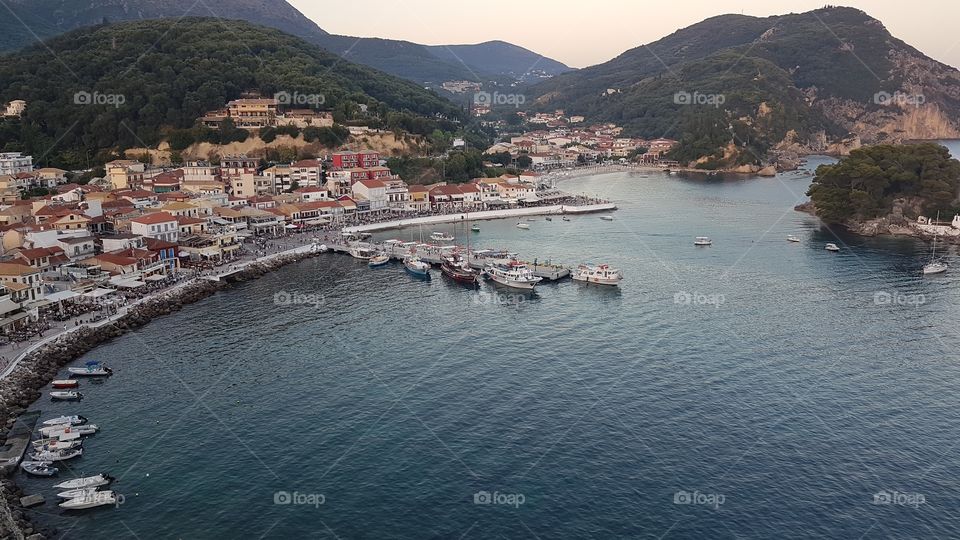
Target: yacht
<point x="601" y="275"/>
<point x="703" y="241"/>
<point x="416" y="267"/>
<point x="935" y="266"/>
<point x="523" y="226"/>
<point x="514" y="274"/>
<point x="441" y="237"/>
<point x="832" y="247"/>
<point x="457" y="269"/>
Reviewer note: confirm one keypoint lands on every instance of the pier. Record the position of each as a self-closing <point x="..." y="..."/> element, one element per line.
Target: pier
<point x="18" y="438"/>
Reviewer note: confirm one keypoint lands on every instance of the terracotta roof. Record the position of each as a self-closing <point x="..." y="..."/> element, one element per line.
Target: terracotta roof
<point x="154" y="218"/>
<point x="15" y="269"/>
<point x="154" y="244"/>
<point x="372" y="183"/>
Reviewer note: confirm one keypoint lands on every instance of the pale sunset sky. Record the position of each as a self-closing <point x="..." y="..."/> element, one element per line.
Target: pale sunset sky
<point x="581" y="34"/>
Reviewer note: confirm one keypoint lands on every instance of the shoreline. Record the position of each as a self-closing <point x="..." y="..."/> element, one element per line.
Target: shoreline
<point x="483" y="215"/>
<point x="37" y="365"/>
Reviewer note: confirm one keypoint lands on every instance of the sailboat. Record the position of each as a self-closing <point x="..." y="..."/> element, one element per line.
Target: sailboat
<point x="935" y="266"/>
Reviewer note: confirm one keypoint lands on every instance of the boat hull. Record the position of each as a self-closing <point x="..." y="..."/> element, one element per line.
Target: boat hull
<point x="513" y="284"/>
<point x="598" y="281"/>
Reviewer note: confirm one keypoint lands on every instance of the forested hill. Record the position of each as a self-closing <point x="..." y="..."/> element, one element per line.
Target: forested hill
<point x="169" y="73"/>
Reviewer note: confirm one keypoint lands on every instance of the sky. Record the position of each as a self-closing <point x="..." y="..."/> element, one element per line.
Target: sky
<point x="582" y="34"/>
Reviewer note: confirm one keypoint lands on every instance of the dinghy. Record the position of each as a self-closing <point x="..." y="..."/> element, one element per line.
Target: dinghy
<point x="57" y="455"/>
<point x="101" y="479"/>
<point x="92" y="500"/>
<point x="61" y="430"/>
<point x="74" y="420"/>
<point x="67" y="396"/>
<point x="74" y="493"/>
<point x="39" y="468"/>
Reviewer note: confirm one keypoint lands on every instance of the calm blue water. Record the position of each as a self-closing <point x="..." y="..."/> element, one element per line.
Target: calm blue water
<point x="782" y="398"/>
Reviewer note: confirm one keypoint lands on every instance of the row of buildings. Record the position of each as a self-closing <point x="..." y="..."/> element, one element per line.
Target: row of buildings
<point x="258" y="113"/>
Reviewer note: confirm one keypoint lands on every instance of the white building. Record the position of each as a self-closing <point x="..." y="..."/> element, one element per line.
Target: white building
<point x="158" y="225"/>
<point x="14" y="163"/>
<point x="15" y="108"/>
<point x="374" y="191"/>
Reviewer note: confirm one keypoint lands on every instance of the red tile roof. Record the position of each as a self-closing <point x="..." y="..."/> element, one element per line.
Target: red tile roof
<point x="154" y="218"/>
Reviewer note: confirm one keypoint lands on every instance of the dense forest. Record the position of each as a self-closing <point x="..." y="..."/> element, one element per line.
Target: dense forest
<point x="865" y="184"/>
<point x="139" y="81"/>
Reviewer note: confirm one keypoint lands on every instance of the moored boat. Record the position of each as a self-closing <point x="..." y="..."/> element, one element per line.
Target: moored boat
<point x="56" y="455"/>
<point x="522" y="226"/>
<point x="362" y="252"/>
<point x="935" y="266"/>
<point x="66" y="396"/>
<point x="378" y="261"/>
<point x="101" y="479"/>
<point x="414" y="266"/>
<point x="601" y="275"/>
<point x="90" y="500"/>
<point x="514" y="274"/>
<point x="59" y="431"/>
<point x="74" y="493"/>
<point x="92" y="368"/>
<point x="456" y="269"/>
<point x="475" y="228"/>
<point x="74" y="420"/>
<point x="441" y="237"/>
<point x="66" y="383"/>
<point x="39" y="468"/>
<point x="55" y="444"/>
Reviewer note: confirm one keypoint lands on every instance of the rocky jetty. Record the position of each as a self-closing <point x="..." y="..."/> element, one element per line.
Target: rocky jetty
<point x="38" y="368"/>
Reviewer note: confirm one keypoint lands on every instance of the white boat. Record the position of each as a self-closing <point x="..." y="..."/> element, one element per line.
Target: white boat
<point x="379" y="260"/>
<point x="441" y="237"/>
<point x="74" y="420"/>
<point x="565" y="218"/>
<point x="39" y="468"/>
<point x="523" y="226"/>
<point x="363" y="252"/>
<point x="74" y="493"/>
<point x="832" y="247"/>
<point x="67" y="396"/>
<point x="606" y="218"/>
<point x="59" y="431"/>
<point x="56" y="455"/>
<point x="416" y="266"/>
<point x="91" y="500"/>
<point x="530" y="219"/>
<point x="514" y="274"/>
<point x="794" y="239"/>
<point x="601" y="275"/>
<point x="91" y="369"/>
<point x="935" y="266"/>
<point x="62" y="437"/>
<point x="702" y="241"/>
<point x="50" y="444"/>
<point x="475" y="228"/>
<point x="86" y="482"/>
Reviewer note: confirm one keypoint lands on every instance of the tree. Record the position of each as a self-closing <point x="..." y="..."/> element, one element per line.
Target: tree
<point x="524" y="161"/>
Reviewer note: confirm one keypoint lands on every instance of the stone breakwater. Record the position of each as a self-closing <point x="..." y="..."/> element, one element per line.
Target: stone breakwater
<point x="39" y="367"/>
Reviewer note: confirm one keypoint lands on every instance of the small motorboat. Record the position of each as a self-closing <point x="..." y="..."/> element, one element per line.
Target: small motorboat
<point x="75" y="420"/>
<point x="703" y="241"/>
<point x="523" y="226"/>
<point x="606" y="218"/>
<point x="379" y="260"/>
<point x="92" y="368"/>
<point x="55" y="445"/>
<point x="549" y="218"/>
<point x="70" y="440"/>
<point x="101" y="479"/>
<point x="441" y="237"/>
<point x="74" y="493"/>
<point x="66" y="396"/>
<point x="475" y="228"/>
<point x="832" y="247"/>
<point x="56" y="455"/>
<point x="91" y="500"/>
<point x="601" y="275"/>
<point x="66" y="383"/>
<point x="39" y="468"/>
<point x="414" y="266"/>
<point x="61" y="430"/>
<point x="530" y="219"/>
<point x="362" y="252"/>
<point x="794" y="239"/>
<point x="565" y="218"/>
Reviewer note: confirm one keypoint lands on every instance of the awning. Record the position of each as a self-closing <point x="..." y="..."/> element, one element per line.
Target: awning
<point x="292" y="226"/>
<point x="98" y="293"/>
<point x="155" y="277"/>
<point x="128" y="283"/>
<point x="10" y="320"/>
<point x="61" y="295"/>
<point x="8" y="306"/>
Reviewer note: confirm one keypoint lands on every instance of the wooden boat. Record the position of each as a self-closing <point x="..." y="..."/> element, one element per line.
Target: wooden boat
<point x="378" y="261"/>
<point x="457" y="270"/>
<point x="66" y="383"/>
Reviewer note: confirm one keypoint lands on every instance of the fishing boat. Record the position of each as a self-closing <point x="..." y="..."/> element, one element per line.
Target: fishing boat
<point x="832" y="247"/>
<point x="475" y="228"/>
<point x="379" y="260"/>
<point x="91" y="500"/>
<point x="702" y="241"/>
<point x="66" y="396"/>
<point x="601" y="275"/>
<point x="606" y="218"/>
<point x="416" y="267"/>
<point x="456" y="269"/>
<point x="935" y="266"/>
<point x="92" y="368"/>
<point x="523" y="226"/>
<point x="59" y="431"/>
<point x="101" y="479"/>
<point x="66" y="383"/>
<point x="56" y="455"/>
<point x="441" y="237"/>
<point x="39" y="468"/>
<point x="794" y="239"/>
<point x="74" y="420"/>
<point x="514" y="274"/>
<point x="362" y="252"/>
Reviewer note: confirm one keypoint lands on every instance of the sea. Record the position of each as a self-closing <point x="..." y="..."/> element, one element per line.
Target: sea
<point x="755" y="388"/>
